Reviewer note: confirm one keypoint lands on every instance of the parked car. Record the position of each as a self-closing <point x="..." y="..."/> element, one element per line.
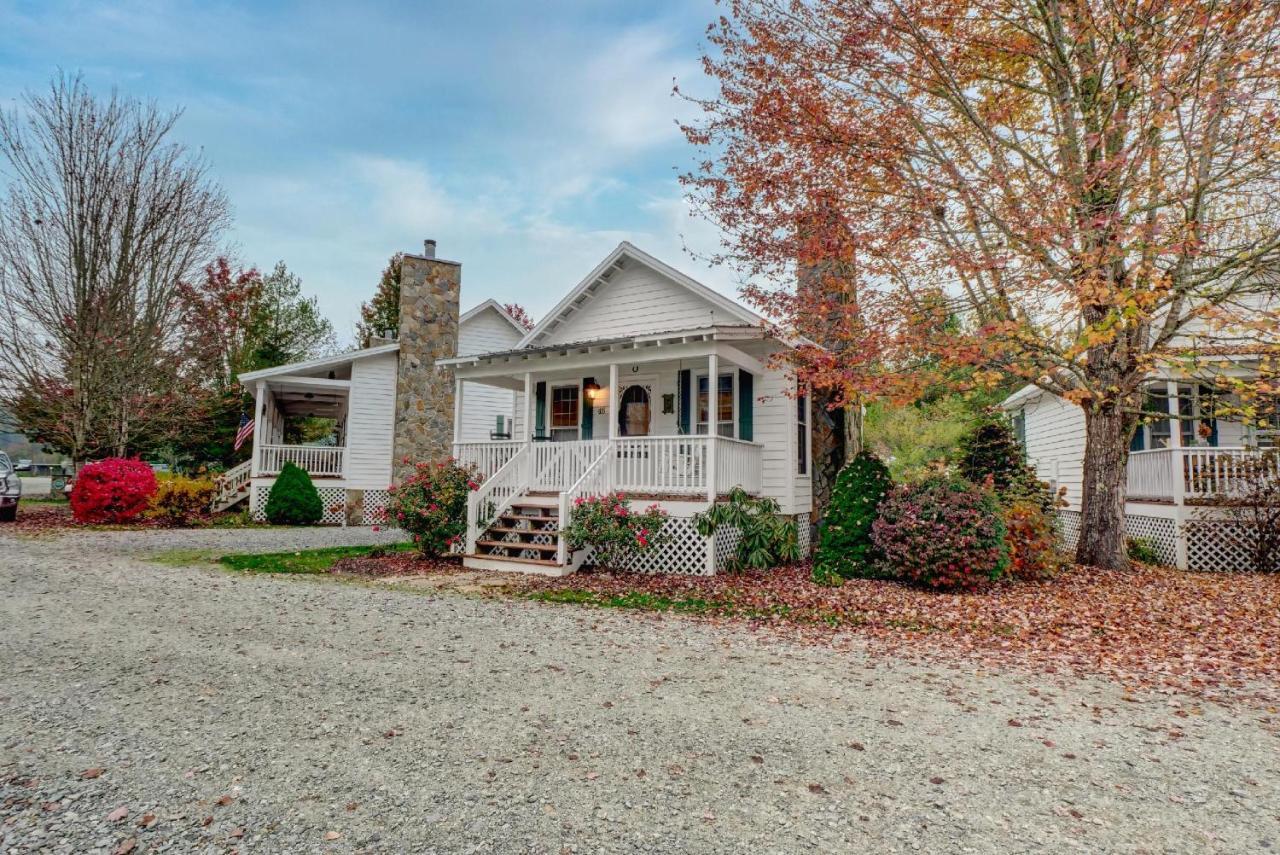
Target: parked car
<point x="24" y="464"/>
<point x="10" y="489"/>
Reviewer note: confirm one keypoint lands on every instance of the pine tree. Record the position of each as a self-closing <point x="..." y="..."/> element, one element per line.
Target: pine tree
<point x="383" y="311"/>
<point x="845" y="549"/>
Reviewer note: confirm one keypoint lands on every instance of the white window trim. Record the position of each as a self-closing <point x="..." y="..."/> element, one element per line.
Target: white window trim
<point x="733" y="398"/>
<point x="551" y="403"/>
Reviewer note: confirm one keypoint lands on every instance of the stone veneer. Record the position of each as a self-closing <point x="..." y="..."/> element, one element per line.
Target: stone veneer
<point x="429" y="290"/>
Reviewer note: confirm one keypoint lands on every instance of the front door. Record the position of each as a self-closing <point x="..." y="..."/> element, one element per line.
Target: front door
<point x="635" y="407"/>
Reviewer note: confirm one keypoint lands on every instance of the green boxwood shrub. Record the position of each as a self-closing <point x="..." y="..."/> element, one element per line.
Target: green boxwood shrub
<point x="293" y="499"/>
<point x="845" y="548"/>
<point x="942" y="533"/>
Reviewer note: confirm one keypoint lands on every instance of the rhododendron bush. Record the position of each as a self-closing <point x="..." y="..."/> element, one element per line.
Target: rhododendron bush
<point x="608" y="524"/>
<point x="114" y="490"/>
<point x="431" y="504"/>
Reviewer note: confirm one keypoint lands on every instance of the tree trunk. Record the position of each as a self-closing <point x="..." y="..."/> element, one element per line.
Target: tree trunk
<point x="1106" y="456"/>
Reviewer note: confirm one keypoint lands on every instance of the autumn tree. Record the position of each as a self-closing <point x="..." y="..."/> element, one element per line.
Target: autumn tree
<point x="1088" y="186"/>
<point x="382" y="313"/>
<point x="102" y="215"/>
<point x="520" y="314"/>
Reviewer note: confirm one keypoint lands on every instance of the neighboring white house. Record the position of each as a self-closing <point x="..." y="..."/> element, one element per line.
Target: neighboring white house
<point x="1177" y="465"/>
<point x="358" y="391"/>
<point x="640" y="380"/>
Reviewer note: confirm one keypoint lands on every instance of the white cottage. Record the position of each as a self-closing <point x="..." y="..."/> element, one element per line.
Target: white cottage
<point x="641" y="379"/>
<point x="1177" y="465"/>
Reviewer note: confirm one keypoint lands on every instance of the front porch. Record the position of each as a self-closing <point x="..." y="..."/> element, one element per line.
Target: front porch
<point x="673" y="423"/>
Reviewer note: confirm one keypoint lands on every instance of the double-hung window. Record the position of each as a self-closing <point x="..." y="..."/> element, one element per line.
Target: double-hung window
<point x="565" y="413"/>
<point x="725" y="423"/>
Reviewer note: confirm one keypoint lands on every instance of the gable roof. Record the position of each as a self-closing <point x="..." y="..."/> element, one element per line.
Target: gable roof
<point x="599" y="278"/>
<point x="495" y="306"/>
<point x="319" y="364"/>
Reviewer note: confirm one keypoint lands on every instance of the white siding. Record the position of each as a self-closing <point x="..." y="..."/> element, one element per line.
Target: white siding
<point x="775" y="428"/>
<point x="637" y="301"/>
<point x="487" y="332"/>
<point x="1055" y="443"/>
<point x="370" y="422"/>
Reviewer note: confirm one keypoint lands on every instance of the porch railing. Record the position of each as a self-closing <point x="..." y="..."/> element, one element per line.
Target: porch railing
<point x="320" y="460"/>
<point x="487" y="457"/>
<point x="555" y="466"/>
<point x="495" y="495"/>
<point x="1177" y="474"/>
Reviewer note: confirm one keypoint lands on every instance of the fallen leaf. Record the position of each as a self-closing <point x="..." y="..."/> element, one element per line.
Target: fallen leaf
<point x="118" y="814"/>
<point x="756" y="758"/>
<point x="90" y="774"/>
<point x="352" y="805"/>
<point x="236" y="832"/>
<point x="1013" y="722"/>
<point x="936" y="780"/>
<point x="857" y="746"/>
<point x="206" y="822"/>
<point x="332" y="835"/>
<point x="148" y="820"/>
<point x="126" y="846"/>
<point x="223" y="801"/>
<point x="817" y="788"/>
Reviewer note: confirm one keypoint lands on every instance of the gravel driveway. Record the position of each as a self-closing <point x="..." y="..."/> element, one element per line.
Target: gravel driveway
<point x="272" y="714"/>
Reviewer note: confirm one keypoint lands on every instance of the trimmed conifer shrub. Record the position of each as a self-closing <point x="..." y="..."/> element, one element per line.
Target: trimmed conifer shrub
<point x="294" y="499"/>
<point x="845" y="547"/>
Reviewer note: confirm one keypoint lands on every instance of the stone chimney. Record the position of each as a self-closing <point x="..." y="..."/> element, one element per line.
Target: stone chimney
<point x="429" y="290"/>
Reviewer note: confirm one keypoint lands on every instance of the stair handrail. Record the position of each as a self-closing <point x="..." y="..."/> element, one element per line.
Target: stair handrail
<point x="596" y="480"/>
<point x="508" y="482"/>
<point x="229" y="483"/>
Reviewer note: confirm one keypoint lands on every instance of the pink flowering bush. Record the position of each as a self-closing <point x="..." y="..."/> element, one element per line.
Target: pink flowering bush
<point x="616" y="532"/>
<point x="431" y="504"/>
<point x="115" y="490"/>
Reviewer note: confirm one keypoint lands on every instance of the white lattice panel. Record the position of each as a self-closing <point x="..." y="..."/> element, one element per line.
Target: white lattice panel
<point x="1069" y="528"/>
<point x="802" y="534"/>
<point x="333" y="504"/>
<point x="1219" y="545"/>
<point x="726" y="544"/>
<point x="374" y="509"/>
<point x="684" y="552"/>
<point x="1160" y="531"/>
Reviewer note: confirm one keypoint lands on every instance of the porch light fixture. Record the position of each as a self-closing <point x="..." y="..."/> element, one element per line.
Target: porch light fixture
<point x="595" y="394"/>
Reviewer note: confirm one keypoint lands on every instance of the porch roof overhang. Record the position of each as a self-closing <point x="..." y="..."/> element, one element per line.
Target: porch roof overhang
<point x="308" y="396"/>
<point x="652" y="347"/>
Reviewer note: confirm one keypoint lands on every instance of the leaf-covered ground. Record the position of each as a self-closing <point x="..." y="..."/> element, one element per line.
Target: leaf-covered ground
<point x="1147" y="627"/>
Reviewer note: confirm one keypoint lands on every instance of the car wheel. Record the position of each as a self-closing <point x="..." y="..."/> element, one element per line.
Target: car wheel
<point x="9" y="514"/>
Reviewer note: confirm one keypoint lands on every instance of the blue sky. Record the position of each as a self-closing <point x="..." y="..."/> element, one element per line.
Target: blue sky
<point x="526" y="138"/>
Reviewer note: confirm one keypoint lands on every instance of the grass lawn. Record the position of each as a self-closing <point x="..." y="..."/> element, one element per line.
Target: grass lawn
<point x="302" y="561"/>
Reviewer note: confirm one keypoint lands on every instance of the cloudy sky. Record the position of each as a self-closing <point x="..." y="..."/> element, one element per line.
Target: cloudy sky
<point x="526" y="138"/>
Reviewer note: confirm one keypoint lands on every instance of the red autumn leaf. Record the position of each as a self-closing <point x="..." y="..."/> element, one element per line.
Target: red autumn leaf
<point x="118" y="814"/>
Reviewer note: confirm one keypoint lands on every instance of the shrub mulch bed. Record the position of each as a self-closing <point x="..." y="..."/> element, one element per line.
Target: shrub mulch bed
<point x="1148" y="628"/>
<point x="383" y="564"/>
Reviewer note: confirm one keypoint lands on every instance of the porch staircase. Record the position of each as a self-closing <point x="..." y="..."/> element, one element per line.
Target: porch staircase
<point x="526" y="533"/>
<point x="232" y="487"/>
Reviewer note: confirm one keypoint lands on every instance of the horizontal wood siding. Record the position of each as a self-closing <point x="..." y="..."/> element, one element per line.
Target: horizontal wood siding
<point x="487" y="332"/>
<point x="1055" y="443"/>
<point x="775" y="427"/>
<point x="481" y="405"/>
<point x="635" y="302"/>
<point x="370" y="422"/>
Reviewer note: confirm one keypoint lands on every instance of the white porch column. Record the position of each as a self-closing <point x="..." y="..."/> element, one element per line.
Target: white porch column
<point x="527" y="428"/>
<point x="458" y="386"/>
<point x="259" y="404"/>
<point x="613" y="400"/>
<point x="1177" y="462"/>
<point x="713" y="414"/>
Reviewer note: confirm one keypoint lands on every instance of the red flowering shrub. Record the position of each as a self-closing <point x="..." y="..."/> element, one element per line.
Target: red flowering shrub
<point x="114" y="490"/>
<point x="608" y="524"/>
<point x="1032" y="539"/>
<point x="431" y="504"/>
<point x="942" y="533"/>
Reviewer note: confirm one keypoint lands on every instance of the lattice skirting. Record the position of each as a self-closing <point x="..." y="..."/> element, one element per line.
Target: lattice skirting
<point x="334" y="502"/>
<point x="1069" y="528"/>
<point x="1160" y="531"/>
<point x="684" y="552"/>
<point x="1219" y="545"/>
<point x="803" y="533"/>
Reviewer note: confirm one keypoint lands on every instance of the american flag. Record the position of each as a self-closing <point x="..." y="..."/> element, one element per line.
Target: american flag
<point x="246" y="430"/>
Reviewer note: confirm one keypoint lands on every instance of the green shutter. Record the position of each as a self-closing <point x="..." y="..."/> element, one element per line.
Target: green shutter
<point x="587" y="409"/>
<point x="540" y="409"/>
<point x="746" y="400"/>
<point x="684" y="378"/>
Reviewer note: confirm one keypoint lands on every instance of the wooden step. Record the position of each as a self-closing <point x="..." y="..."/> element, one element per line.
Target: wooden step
<point x="518" y="545"/>
<point x="539" y="562"/>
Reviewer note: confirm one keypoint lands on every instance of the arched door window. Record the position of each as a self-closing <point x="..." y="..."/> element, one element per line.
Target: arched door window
<point x="633" y="412"/>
